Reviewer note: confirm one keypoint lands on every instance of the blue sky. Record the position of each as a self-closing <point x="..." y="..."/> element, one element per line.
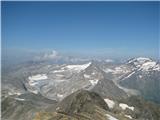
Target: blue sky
<point x="92" y="28"/>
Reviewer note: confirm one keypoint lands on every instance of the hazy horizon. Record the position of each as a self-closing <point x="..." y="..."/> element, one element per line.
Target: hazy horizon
<point x="102" y="29"/>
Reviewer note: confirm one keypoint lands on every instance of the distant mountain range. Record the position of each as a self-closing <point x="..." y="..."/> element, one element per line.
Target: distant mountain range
<point x="43" y="85"/>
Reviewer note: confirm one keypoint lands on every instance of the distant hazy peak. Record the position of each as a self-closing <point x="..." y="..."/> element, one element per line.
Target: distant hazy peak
<point x="139" y="60"/>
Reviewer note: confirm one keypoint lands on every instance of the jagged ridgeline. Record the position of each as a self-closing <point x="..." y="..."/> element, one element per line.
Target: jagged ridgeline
<point x="81" y="105"/>
<point x="85" y="105"/>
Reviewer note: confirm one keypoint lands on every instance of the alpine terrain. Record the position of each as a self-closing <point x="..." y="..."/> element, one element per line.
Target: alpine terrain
<point x="88" y="90"/>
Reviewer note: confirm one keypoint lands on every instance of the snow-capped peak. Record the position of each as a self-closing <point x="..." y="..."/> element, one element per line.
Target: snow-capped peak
<point x="144" y="64"/>
<point x="143" y="59"/>
<point x="148" y="65"/>
<point x="139" y="60"/>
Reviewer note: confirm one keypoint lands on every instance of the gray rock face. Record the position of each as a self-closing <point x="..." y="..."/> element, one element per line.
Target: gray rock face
<point x="144" y="78"/>
<point x="81" y="101"/>
<point x="107" y="89"/>
<point x="138" y="76"/>
<point x="25" y="106"/>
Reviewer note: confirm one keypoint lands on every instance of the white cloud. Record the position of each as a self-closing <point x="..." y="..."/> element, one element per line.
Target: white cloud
<point x="53" y="55"/>
<point x="109" y="60"/>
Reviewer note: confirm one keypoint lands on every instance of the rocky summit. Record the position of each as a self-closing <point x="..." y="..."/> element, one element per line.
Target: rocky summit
<point x="81" y="105"/>
<point x="86" y="105"/>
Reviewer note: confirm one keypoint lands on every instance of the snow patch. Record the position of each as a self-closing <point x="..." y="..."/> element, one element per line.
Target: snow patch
<point x="33" y="91"/>
<point x="57" y="108"/>
<point x="87" y="76"/>
<point x="93" y="82"/>
<point x="124" y="106"/>
<point x="14" y="93"/>
<point x="110" y="103"/>
<point x="18" y="93"/>
<point x="140" y="76"/>
<point x="128" y="116"/>
<point x="59" y="81"/>
<point x="58" y="71"/>
<point x="93" y="73"/>
<point x="19" y="99"/>
<point x="59" y="75"/>
<point x="38" y="77"/>
<point x="60" y="95"/>
<point x="34" y="80"/>
<point x="108" y="70"/>
<point x="157" y="67"/>
<point x="78" y="67"/>
<point x="120" y="69"/>
<point x="111" y="117"/>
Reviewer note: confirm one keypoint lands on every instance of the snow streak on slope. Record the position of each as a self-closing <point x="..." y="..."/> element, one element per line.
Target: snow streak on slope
<point x="111" y="117"/>
<point x="19" y="99"/>
<point x="128" y="116"/>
